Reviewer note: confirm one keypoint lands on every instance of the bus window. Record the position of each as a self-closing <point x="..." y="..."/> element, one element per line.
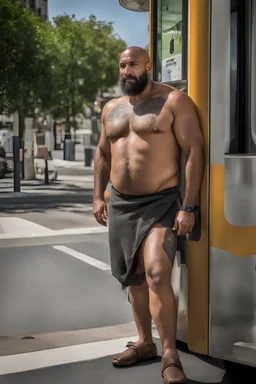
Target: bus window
<point x="252" y="142"/>
<point x="171" y="41"/>
<point x="234" y="99"/>
<point x="242" y="135"/>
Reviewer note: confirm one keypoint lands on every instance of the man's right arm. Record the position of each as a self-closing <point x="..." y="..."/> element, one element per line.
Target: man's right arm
<point x="102" y="166"/>
<point x="102" y="162"/>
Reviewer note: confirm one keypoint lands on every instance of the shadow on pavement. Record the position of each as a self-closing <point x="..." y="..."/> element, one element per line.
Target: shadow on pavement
<point x="48" y="206"/>
<point x="102" y="371"/>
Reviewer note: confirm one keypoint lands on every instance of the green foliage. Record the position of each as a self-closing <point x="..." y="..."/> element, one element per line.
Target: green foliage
<point x="87" y="61"/>
<point x="18" y="56"/>
<point x="56" y="67"/>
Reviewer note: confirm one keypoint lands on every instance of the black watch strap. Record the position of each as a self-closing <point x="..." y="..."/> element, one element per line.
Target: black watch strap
<point x="186" y="208"/>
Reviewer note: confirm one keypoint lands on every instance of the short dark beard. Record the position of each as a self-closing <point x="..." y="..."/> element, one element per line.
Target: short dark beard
<point x="136" y="87"/>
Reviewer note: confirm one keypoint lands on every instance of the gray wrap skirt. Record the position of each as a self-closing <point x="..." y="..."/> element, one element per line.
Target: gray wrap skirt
<point x="130" y="218"/>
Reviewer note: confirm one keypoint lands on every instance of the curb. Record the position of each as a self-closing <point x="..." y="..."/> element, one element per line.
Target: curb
<point x="21" y="198"/>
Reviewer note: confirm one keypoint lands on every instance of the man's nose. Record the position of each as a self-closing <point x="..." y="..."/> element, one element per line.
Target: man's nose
<point x="127" y="70"/>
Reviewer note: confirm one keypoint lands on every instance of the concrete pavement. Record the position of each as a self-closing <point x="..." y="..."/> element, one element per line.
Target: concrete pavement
<point x="63" y="317"/>
<point x="98" y="368"/>
<point x="70" y="188"/>
<point x="74" y="317"/>
<point x="57" y="288"/>
<point x="69" y="181"/>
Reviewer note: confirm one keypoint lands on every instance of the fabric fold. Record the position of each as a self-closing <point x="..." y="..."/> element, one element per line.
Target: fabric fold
<point x="130" y="218"/>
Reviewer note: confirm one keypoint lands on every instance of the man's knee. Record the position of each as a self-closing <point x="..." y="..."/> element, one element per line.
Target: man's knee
<point x="158" y="279"/>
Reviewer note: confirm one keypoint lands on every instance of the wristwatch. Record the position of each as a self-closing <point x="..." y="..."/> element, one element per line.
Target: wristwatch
<point x="186" y="208"/>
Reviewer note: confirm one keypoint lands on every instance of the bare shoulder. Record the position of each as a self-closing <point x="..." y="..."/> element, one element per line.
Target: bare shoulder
<point x="162" y="90"/>
<point x="179" y="101"/>
<point x="170" y="94"/>
<point x="108" y="107"/>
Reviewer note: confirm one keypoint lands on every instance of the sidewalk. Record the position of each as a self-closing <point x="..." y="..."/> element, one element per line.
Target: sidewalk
<point x="69" y="182"/>
<point x="73" y="185"/>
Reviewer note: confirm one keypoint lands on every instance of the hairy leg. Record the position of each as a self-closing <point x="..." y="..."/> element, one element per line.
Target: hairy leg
<point x="159" y="250"/>
<point x="139" y="298"/>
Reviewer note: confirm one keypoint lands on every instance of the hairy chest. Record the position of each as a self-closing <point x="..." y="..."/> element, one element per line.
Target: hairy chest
<point x="146" y="118"/>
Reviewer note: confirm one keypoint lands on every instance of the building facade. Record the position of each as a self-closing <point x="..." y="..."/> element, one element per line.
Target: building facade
<point x="39" y="7"/>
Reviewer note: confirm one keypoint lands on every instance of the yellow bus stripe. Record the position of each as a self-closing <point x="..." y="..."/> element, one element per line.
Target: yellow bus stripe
<point x="239" y="241"/>
<point x="198" y="252"/>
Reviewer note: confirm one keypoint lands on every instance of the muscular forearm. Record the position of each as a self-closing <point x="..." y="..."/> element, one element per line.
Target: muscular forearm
<point x="194" y="175"/>
<point x="102" y="165"/>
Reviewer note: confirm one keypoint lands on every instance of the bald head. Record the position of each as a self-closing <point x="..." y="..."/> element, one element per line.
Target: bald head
<point x="137" y="53"/>
<point x="135" y="70"/>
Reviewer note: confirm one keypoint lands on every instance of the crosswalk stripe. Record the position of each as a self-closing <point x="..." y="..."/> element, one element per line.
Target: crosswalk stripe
<point x="53" y="233"/>
<point x="58" y="356"/>
<point x="81" y="256"/>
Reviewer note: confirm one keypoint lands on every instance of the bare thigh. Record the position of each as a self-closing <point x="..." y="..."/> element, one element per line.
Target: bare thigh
<point x="157" y="253"/>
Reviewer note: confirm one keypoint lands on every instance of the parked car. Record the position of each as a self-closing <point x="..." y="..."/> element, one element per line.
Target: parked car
<point x="4" y="169"/>
<point x="6" y="139"/>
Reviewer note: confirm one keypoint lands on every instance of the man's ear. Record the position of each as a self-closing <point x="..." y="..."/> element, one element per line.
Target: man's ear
<point x="149" y="67"/>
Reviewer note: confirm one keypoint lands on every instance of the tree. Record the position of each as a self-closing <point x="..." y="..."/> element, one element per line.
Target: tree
<point x="25" y="66"/>
<point x="86" y="61"/>
<point x="54" y="68"/>
<point x="20" y="68"/>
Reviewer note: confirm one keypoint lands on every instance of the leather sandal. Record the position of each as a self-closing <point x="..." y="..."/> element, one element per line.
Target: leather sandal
<point x="136" y="352"/>
<point x="172" y="371"/>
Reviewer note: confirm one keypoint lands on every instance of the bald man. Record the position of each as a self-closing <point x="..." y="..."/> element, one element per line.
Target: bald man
<point x="138" y="152"/>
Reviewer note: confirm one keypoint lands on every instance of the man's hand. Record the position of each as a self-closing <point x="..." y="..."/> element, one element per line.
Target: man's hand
<point x="100" y="211"/>
<point x="184" y="222"/>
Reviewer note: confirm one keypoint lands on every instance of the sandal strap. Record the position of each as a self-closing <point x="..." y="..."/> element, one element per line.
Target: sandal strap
<point x="139" y="349"/>
<point x="130" y="343"/>
<point x="171" y="362"/>
<point x="136" y="351"/>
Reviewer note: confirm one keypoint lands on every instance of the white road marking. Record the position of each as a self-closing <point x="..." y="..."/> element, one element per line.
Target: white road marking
<point x="14" y="225"/>
<point x="90" y="351"/>
<point x="78" y="178"/>
<point x="76" y="208"/>
<point x="81" y="256"/>
<point x="51" y="233"/>
<point x="58" y="356"/>
<point x="79" y="231"/>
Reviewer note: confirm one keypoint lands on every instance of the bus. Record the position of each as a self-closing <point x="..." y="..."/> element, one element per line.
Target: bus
<point x="207" y="48"/>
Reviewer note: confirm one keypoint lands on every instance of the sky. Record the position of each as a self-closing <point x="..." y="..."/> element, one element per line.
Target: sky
<point x="130" y="26"/>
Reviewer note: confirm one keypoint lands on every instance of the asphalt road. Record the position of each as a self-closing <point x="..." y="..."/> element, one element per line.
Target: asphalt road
<point x="54" y="215"/>
<point x="45" y="290"/>
<point x="58" y="290"/>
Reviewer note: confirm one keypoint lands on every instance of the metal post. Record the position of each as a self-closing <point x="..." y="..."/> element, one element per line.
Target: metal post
<point x="22" y="161"/>
<point x="46" y="175"/>
<point x="16" y="163"/>
<point x="16" y="153"/>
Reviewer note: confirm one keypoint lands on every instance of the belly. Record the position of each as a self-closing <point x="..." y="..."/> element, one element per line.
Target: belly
<point x="143" y="166"/>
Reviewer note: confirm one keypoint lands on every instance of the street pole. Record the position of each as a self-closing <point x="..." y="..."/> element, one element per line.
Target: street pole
<point x="16" y="153"/>
<point x="46" y="173"/>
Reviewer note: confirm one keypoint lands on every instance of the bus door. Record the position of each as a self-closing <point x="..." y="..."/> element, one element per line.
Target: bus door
<point x="232" y="277"/>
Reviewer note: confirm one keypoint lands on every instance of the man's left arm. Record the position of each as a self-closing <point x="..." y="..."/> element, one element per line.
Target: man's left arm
<point x="186" y="127"/>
